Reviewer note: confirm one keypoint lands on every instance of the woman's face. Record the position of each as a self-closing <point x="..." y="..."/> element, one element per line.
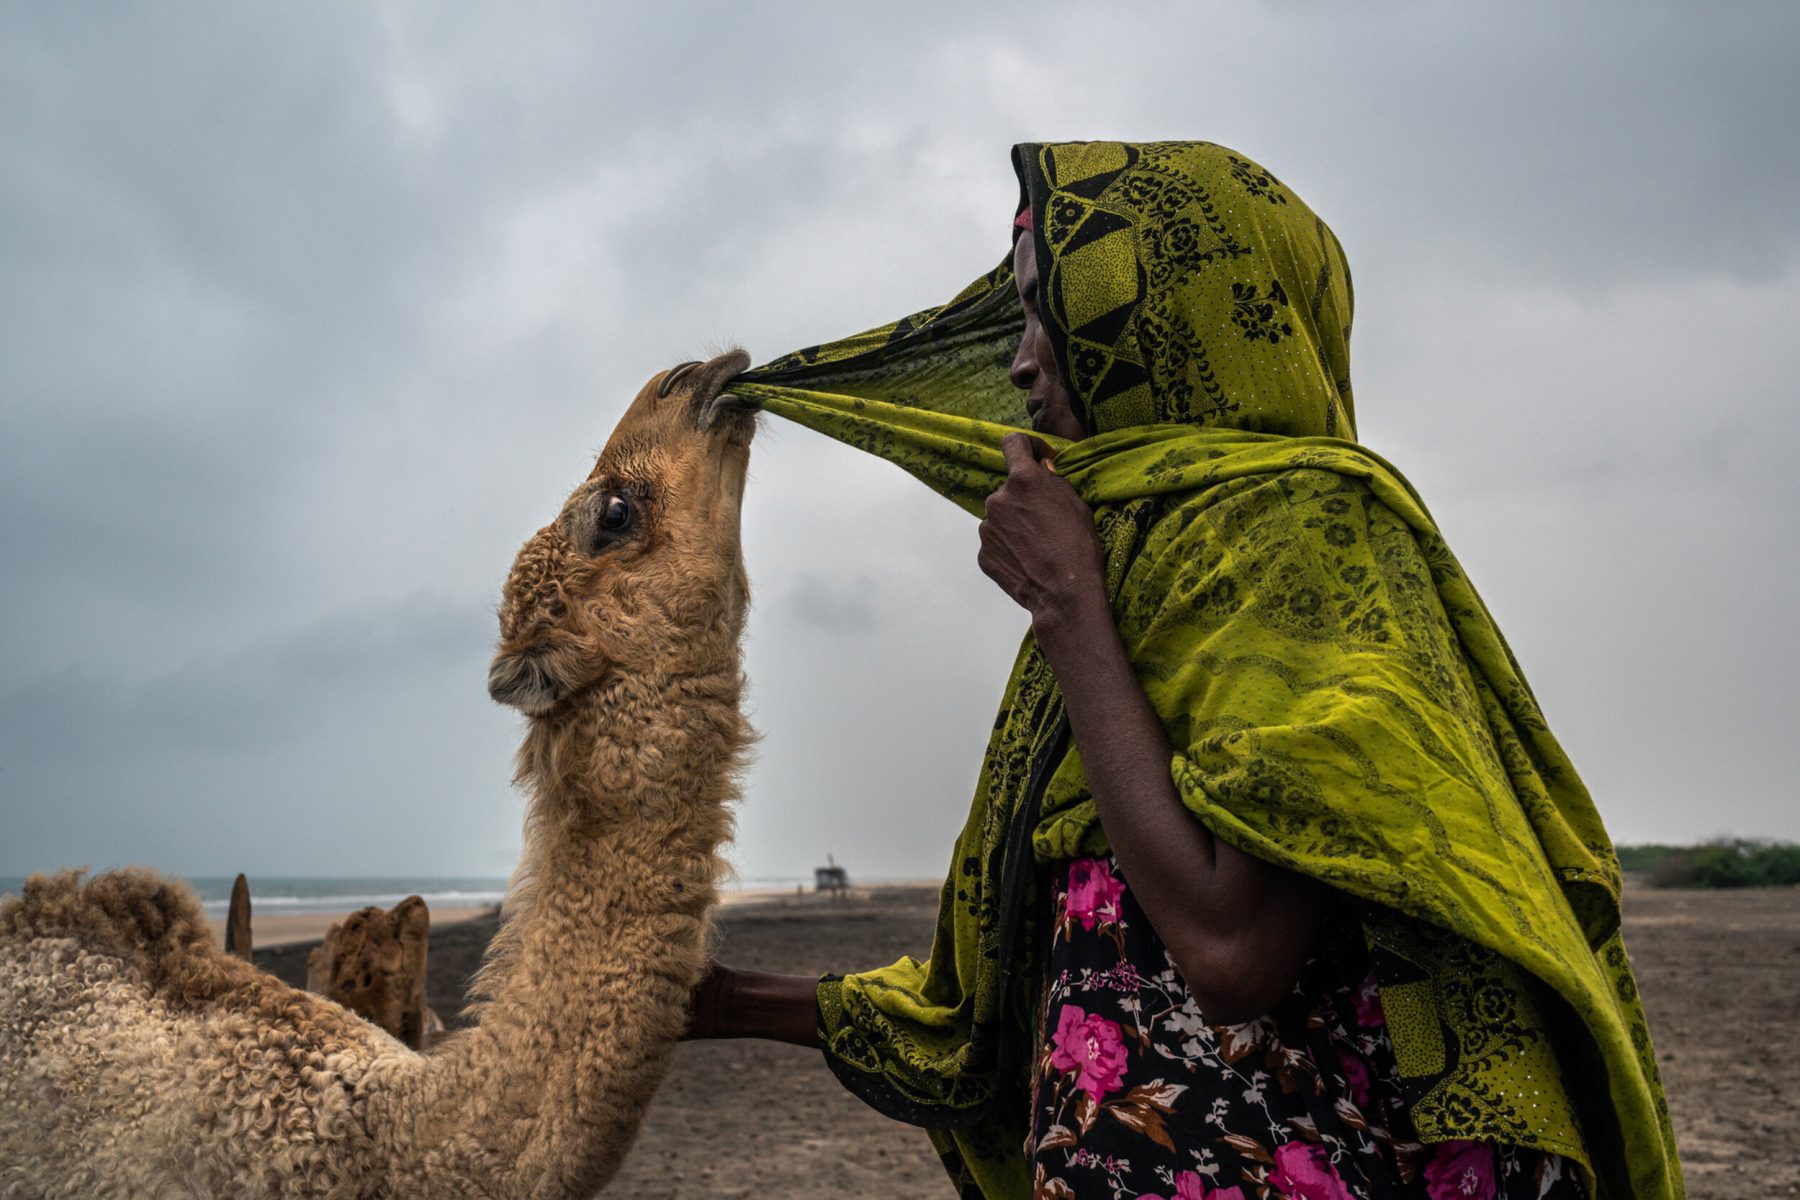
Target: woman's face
<point x="1034" y="370"/>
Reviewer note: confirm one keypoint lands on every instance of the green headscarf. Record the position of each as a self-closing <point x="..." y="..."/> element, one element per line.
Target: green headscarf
<point x="1340" y="701"/>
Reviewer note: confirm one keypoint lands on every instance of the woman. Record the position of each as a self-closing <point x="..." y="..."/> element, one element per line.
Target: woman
<point x="1369" y="942"/>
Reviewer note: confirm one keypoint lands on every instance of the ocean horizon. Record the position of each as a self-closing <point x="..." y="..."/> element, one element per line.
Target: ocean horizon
<point x="310" y="894"/>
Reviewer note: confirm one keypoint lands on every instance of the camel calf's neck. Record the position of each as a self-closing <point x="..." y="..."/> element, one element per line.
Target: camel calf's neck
<point x="585" y="992"/>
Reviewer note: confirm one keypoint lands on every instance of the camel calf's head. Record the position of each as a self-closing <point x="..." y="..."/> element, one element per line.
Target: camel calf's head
<point x="642" y="570"/>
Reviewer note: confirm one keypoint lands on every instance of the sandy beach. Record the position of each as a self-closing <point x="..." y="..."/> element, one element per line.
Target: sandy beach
<point x="1720" y="973"/>
<point x="285" y="929"/>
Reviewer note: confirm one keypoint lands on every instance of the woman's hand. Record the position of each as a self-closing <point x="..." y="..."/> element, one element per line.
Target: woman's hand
<point x="1037" y="539"/>
<point x="1239" y="929"/>
<point x="709" y="1004"/>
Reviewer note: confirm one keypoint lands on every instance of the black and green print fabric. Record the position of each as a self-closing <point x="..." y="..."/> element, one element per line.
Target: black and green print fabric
<point x="1340" y="700"/>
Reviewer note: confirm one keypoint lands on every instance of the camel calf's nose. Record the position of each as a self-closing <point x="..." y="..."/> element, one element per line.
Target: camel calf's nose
<point x="708" y="379"/>
<point x="708" y="401"/>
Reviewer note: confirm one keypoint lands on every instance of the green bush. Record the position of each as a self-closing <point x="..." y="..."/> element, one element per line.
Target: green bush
<point x="1726" y="863"/>
<point x="1647" y="857"/>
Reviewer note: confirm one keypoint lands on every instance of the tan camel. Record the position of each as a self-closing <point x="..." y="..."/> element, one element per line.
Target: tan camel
<point x="137" y="1058"/>
<point x="373" y="963"/>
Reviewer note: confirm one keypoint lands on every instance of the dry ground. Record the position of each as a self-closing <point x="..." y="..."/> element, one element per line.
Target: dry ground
<point x="1720" y="974"/>
<point x="1720" y="977"/>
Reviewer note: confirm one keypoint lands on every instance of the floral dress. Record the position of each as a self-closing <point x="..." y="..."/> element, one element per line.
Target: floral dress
<point x="1136" y="1097"/>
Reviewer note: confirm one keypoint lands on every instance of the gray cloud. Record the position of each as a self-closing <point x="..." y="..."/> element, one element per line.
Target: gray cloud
<point x="312" y="315"/>
<point x="834" y="605"/>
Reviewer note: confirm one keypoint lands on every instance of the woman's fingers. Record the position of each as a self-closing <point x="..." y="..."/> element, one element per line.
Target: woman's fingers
<point x="709" y="1002"/>
<point x="1022" y="451"/>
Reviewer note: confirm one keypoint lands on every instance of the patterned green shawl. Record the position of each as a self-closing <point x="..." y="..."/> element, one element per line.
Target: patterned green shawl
<point x="1340" y="700"/>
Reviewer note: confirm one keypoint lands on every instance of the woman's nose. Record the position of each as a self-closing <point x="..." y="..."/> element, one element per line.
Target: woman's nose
<point x="1024" y="369"/>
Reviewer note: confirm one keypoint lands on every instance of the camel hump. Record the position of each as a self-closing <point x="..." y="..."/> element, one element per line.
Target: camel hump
<point x="373" y="963"/>
<point x="129" y="912"/>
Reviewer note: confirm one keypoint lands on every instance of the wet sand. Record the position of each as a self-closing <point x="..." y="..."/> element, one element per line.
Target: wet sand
<point x="287" y="928"/>
<point x="1720" y="973"/>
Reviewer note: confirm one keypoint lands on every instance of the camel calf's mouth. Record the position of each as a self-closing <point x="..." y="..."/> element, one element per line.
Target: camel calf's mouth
<point x="524" y="681"/>
<point x="728" y="415"/>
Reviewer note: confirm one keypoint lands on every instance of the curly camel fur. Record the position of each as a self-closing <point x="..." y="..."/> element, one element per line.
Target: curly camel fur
<point x="137" y="1058"/>
<point x="373" y="962"/>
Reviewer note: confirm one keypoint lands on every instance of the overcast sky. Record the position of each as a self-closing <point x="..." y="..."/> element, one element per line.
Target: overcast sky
<point x="312" y="313"/>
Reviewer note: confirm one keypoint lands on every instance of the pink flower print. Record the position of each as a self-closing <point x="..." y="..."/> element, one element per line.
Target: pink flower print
<point x="1087" y="1158"/>
<point x="1369" y="1013"/>
<point x="1461" y="1169"/>
<point x="1356" y="1074"/>
<point x="1303" y="1172"/>
<point x="1093" y="893"/>
<point x="1121" y="978"/>
<point x="1091" y="1046"/>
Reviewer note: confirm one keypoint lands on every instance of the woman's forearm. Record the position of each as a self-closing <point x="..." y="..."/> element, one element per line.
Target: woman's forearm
<point x="731" y="1003"/>
<point x="1239" y="929"/>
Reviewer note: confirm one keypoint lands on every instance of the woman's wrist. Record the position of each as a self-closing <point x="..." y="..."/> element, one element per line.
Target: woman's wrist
<point x="1072" y="617"/>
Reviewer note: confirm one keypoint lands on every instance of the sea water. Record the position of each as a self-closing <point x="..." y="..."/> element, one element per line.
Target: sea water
<point x="302" y="895"/>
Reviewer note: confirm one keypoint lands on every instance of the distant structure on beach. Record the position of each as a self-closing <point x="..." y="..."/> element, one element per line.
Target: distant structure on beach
<point x="237" y="919"/>
<point x="831" y="878"/>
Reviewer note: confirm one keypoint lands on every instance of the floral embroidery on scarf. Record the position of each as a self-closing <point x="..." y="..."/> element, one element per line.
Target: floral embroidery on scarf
<point x="1257" y="312"/>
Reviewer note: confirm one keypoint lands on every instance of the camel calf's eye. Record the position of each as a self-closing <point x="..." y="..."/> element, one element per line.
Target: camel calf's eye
<point x="608" y="519"/>
<point x="615" y="514"/>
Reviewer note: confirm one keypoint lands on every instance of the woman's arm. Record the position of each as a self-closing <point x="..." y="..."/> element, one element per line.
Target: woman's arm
<point x="729" y="1003"/>
<point x="1239" y="929"/>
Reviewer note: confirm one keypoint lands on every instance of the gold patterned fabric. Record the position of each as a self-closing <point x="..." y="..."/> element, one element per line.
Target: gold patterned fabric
<point x="1340" y="701"/>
